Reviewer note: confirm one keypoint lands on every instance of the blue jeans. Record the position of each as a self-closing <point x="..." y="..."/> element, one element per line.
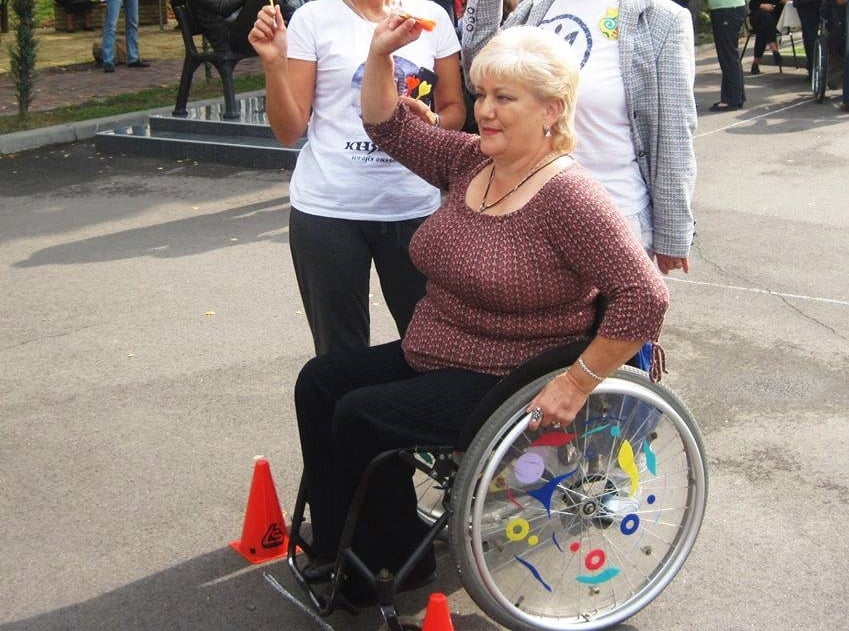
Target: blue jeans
<point x="110" y="28"/>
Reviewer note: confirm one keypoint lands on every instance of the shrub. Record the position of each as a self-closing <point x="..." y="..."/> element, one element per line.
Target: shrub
<point x="22" y="55"/>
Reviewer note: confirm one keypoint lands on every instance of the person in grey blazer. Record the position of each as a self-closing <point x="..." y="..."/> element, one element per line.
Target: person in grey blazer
<point x="636" y="113"/>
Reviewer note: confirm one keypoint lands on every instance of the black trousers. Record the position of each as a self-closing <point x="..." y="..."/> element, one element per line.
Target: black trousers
<point x="332" y="259"/>
<point x="810" y="19"/>
<point x="726" y="24"/>
<point x="765" y="30"/>
<point x="355" y="404"/>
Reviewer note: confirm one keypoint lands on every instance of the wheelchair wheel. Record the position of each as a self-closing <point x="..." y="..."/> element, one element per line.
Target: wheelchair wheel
<point x="581" y="527"/>
<point x="819" y="68"/>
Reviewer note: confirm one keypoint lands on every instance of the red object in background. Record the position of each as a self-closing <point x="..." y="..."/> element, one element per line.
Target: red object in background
<point x="459" y="9"/>
<point x="264" y="534"/>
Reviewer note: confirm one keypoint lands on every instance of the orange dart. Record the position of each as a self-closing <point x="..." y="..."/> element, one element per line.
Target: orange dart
<point x="427" y="25"/>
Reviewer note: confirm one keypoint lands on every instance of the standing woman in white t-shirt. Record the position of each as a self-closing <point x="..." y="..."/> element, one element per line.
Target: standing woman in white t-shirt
<point x="351" y="204"/>
<point x="635" y="115"/>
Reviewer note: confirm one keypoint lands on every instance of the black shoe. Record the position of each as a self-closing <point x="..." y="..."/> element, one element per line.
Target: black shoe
<point x="138" y="63"/>
<point x="756" y="69"/>
<point x="319" y="570"/>
<point x="724" y="107"/>
<point x="776" y="57"/>
<point x="108" y="67"/>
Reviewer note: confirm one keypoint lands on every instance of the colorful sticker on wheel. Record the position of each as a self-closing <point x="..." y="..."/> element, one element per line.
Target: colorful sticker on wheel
<point x="628" y="465"/>
<point x="594" y="560"/>
<point x="544" y="494"/>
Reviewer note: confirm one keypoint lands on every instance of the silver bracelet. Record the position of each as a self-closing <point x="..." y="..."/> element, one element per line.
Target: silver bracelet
<point x="436" y="120"/>
<point x="586" y="369"/>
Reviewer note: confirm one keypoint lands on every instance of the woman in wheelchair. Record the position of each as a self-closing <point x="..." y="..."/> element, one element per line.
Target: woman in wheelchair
<point x="516" y="258"/>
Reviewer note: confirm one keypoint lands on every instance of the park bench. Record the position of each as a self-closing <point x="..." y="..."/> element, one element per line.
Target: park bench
<point x="224" y="62"/>
<point x="4" y="16"/>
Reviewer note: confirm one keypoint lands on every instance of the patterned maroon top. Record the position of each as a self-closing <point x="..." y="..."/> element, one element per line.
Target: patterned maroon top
<point x="502" y="289"/>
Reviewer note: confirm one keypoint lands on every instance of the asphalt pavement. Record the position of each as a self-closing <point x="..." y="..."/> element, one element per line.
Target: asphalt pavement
<point x="151" y="332"/>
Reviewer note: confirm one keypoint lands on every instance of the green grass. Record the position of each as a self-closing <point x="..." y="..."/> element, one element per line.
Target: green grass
<point x="124" y="103"/>
<point x="43" y="13"/>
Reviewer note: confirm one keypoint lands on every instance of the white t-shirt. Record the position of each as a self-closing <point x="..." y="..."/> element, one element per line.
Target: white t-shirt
<point x="340" y="172"/>
<point x="605" y="146"/>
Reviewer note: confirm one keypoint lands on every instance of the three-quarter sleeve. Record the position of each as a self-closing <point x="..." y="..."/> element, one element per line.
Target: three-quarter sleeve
<point x="434" y="154"/>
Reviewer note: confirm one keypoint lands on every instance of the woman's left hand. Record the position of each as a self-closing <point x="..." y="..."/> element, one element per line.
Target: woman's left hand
<point x="419" y="109"/>
<point x="393" y="33"/>
<point x="560" y="401"/>
<point x="668" y="263"/>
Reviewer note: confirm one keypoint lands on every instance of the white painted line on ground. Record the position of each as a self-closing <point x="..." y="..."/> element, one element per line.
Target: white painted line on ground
<point x="281" y="590"/>
<point x="753" y="118"/>
<point x="755" y="290"/>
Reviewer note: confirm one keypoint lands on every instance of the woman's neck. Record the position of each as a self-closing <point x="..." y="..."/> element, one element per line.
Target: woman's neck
<point x="515" y="167"/>
<point x="369" y="10"/>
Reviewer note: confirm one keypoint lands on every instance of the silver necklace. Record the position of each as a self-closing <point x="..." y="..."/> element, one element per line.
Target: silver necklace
<point x="354" y="8"/>
<point x="536" y="169"/>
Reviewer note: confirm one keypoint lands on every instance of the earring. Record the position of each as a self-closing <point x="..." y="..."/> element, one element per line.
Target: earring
<point x="546" y="131"/>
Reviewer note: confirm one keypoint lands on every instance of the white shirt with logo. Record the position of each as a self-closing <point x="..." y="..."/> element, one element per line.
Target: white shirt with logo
<point x="604" y="145"/>
<point x="340" y="172"/>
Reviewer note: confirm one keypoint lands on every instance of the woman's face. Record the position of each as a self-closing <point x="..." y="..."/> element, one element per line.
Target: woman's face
<point x="511" y="119"/>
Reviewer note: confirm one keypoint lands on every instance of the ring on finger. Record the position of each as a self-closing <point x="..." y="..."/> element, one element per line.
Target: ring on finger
<point x="536" y="415"/>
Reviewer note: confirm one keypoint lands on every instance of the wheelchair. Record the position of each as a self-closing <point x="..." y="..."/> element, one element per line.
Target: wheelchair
<point x="573" y="528"/>
<point x="827" y="64"/>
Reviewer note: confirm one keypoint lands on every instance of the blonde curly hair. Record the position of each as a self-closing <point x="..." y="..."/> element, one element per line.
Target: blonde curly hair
<point x="540" y="61"/>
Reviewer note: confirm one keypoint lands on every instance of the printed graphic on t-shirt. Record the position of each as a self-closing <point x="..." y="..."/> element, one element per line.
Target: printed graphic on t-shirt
<point x="408" y="82"/>
<point x="575" y="31"/>
<point x="579" y="35"/>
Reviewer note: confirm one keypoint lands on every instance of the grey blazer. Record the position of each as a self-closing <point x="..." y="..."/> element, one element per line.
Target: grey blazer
<point x="658" y="71"/>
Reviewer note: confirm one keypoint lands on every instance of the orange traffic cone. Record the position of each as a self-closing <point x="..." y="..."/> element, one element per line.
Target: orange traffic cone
<point x="437" y="617"/>
<point x="264" y="535"/>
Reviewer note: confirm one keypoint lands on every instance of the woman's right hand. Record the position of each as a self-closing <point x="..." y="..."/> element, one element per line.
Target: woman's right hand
<point x="393" y="33"/>
<point x="268" y="36"/>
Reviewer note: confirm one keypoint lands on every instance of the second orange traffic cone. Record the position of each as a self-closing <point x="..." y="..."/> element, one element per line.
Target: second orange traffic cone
<point x="438" y="616"/>
<point x="264" y="534"/>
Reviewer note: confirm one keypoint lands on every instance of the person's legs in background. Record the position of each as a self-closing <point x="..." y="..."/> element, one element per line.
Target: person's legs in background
<point x="726" y="24"/>
<point x="401" y="283"/>
<point x="809" y="16"/>
<point x="110" y="28"/>
<point x="845" y="104"/>
<point x="131" y="19"/>
<point x="765" y="37"/>
<point x="332" y="262"/>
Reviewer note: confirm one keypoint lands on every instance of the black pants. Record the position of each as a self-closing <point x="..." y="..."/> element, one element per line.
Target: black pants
<point x="355" y="404"/>
<point x="764" y="24"/>
<point x="332" y="259"/>
<point x="810" y="19"/>
<point x="726" y="24"/>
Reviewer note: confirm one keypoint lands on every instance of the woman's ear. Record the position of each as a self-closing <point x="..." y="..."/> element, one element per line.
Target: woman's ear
<point x="553" y="111"/>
